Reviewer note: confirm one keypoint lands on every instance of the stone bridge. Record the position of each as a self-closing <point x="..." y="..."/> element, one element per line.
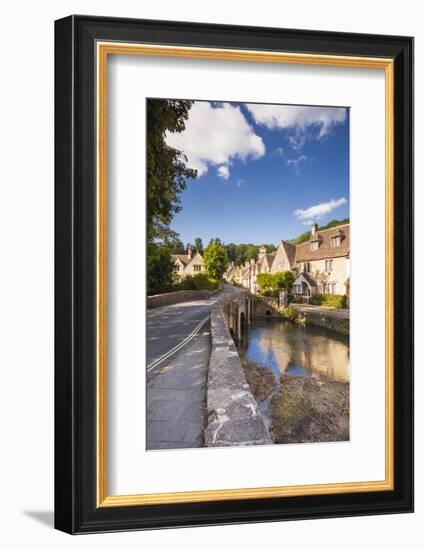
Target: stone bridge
<point x="238" y="312"/>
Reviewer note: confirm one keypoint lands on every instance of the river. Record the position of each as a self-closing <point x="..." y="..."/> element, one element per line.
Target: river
<point x="287" y="348"/>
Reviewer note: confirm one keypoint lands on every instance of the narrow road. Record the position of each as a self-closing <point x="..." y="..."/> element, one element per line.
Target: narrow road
<point x="171" y="328"/>
<point x="178" y="352"/>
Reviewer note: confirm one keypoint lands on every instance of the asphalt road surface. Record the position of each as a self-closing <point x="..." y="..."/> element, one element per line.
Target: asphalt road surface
<point x="171" y="328"/>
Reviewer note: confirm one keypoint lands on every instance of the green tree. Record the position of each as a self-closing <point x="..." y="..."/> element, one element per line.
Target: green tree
<point x="160" y="269"/>
<point x="275" y="281"/>
<point x="283" y="280"/>
<point x="167" y="169"/>
<point x="215" y="260"/>
<point x="240" y="254"/>
<point x="231" y="250"/>
<point x="176" y="246"/>
<point x="265" y="280"/>
<point x="216" y="240"/>
<point x="252" y="251"/>
<point x="198" y="244"/>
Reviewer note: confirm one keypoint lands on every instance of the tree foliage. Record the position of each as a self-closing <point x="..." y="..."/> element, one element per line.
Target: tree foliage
<point x="215" y="260"/>
<point x="167" y="172"/>
<point x="240" y="253"/>
<point x="198" y="245"/>
<point x="160" y="269"/>
<point x="200" y="281"/>
<point x="176" y="246"/>
<point x="265" y="280"/>
<point x="283" y="280"/>
<point x="166" y="167"/>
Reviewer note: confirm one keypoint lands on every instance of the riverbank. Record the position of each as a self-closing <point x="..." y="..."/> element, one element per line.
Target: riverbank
<point x="307" y="410"/>
<point x="301" y="410"/>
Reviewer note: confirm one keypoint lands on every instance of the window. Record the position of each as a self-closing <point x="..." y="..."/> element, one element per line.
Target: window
<point x="336" y="241"/>
<point x="314" y="245"/>
<point x="197" y="268"/>
<point x="328" y="265"/>
<point x="329" y="288"/>
<point x="307" y="267"/>
<point x="177" y="267"/>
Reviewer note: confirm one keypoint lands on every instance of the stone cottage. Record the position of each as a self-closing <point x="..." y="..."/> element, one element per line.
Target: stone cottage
<point x="188" y="264"/>
<point x="323" y="262"/>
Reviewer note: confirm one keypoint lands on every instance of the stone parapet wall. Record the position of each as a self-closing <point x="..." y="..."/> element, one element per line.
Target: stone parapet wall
<point x="233" y="417"/>
<point x="177" y="297"/>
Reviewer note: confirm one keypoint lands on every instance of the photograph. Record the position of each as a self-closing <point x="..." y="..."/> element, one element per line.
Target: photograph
<point x="248" y="274"/>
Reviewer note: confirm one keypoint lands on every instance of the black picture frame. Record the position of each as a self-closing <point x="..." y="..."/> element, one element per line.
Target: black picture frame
<point x="76" y="510"/>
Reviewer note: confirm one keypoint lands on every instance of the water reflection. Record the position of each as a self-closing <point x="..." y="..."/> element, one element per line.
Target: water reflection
<point x="285" y="347"/>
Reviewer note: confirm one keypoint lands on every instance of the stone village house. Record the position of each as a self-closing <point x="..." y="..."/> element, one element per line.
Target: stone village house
<point x="320" y="265"/>
<point x="188" y="264"/>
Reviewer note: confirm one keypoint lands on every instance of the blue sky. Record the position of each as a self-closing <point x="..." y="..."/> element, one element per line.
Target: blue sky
<point x="265" y="172"/>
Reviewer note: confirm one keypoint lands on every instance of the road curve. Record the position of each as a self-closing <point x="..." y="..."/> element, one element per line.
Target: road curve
<point x="171" y="328"/>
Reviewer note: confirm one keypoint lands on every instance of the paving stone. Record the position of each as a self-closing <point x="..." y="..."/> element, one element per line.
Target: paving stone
<point x="176" y="397"/>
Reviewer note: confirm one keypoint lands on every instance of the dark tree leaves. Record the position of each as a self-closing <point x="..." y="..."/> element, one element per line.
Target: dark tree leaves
<point x="166" y="167"/>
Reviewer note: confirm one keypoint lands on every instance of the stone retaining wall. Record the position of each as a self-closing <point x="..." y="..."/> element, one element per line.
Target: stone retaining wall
<point x="326" y="320"/>
<point x="170" y="298"/>
<point x="233" y="417"/>
<point x="266" y="307"/>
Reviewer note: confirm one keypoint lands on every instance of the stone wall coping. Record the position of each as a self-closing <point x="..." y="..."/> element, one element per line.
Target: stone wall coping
<point x="233" y="417"/>
<point x="169" y="298"/>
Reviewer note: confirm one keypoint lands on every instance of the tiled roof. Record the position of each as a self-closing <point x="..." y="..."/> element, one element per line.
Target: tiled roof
<point x="290" y="251"/>
<point x="325" y="249"/>
<point x="270" y="257"/>
<point x="185" y="258"/>
<point x="308" y="278"/>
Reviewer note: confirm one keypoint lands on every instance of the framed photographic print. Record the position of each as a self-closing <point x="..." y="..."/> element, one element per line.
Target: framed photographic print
<point x="234" y="255"/>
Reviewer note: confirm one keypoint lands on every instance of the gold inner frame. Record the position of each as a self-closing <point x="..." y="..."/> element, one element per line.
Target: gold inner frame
<point x="104" y="49"/>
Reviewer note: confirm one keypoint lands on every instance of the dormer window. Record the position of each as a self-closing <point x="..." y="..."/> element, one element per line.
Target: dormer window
<point x="336" y="241"/>
<point x="314" y="245"/>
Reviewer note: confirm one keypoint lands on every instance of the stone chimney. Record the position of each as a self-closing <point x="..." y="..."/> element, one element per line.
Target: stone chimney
<point x="314" y="229"/>
<point x="189" y="251"/>
<point x="262" y="253"/>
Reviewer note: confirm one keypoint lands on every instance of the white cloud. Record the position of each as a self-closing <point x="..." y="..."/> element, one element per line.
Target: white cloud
<point x="316" y="212"/>
<point x="223" y="171"/>
<point x="239" y="182"/>
<point x="216" y="136"/>
<point x="279" y="152"/>
<point x="296" y="162"/>
<point x="306" y="122"/>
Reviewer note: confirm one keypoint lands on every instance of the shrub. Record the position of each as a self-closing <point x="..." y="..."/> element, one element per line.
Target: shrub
<point x="198" y="282"/>
<point x="289" y="313"/>
<point x="329" y="300"/>
<point x="275" y="281"/>
<point x="271" y="293"/>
